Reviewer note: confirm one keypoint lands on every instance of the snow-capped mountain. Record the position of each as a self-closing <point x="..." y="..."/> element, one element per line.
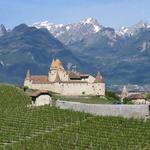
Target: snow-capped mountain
<point x="3" y="30"/>
<point x="72" y="32"/>
<point x="89" y="32"/>
<point x="133" y="30"/>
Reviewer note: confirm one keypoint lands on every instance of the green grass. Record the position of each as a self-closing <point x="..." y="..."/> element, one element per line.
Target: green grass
<point x="50" y="128"/>
<point x="12" y="100"/>
<point x="87" y="99"/>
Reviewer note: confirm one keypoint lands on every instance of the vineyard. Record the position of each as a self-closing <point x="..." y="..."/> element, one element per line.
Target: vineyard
<point x="49" y="128"/>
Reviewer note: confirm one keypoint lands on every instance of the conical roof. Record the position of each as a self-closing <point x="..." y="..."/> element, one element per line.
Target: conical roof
<point x="57" y="79"/>
<point x="56" y="64"/>
<point x="98" y="78"/>
<point x="53" y="64"/>
<point x="28" y="74"/>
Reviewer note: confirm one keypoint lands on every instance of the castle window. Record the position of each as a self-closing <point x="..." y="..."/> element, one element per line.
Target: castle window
<point x="83" y="92"/>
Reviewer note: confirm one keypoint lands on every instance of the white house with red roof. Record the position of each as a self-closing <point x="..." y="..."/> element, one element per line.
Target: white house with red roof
<point x="40" y="98"/>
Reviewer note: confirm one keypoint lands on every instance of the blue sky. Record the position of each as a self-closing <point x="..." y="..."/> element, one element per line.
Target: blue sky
<point x="113" y="13"/>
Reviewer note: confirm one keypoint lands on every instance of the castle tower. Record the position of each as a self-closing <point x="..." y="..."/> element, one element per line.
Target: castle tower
<point x="99" y="85"/>
<point x="28" y="75"/>
<point x="98" y="78"/>
<point x="27" y="79"/>
<point x="58" y="64"/>
<point x="57" y="67"/>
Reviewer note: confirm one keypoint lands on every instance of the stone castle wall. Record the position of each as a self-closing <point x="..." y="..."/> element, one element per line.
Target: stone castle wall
<point x="82" y="89"/>
<point x="128" y="111"/>
<point x="72" y="88"/>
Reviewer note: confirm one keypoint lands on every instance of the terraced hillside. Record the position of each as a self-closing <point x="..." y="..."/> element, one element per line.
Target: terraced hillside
<point x="49" y="128"/>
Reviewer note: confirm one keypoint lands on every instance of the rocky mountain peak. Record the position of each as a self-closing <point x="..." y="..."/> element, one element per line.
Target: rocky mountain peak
<point x="133" y="30"/>
<point x="71" y="32"/>
<point x="93" y="22"/>
<point x="3" y="30"/>
<point x="141" y="24"/>
<point x="90" y="21"/>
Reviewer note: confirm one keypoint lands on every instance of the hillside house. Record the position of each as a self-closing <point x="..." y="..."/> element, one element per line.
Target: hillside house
<point x="40" y="98"/>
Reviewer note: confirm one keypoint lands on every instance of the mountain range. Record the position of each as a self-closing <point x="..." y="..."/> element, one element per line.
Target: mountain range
<point x="121" y="56"/>
<point x="3" y="30"/>
<point x="30" y="48"/>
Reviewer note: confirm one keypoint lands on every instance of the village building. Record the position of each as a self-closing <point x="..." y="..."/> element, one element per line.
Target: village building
<point x="135" y="97"/>
<point x="138" y="98"/>
<point x="65" y="82"/>
<point x="40" y="98"/>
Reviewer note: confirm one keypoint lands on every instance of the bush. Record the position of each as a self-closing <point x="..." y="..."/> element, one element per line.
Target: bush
<point x="25" y="88"/>
<point x="116" y="102"/>
<point x="112" y="96"/>
<point x="148" y="96"/>
<point x="127" y="101"/>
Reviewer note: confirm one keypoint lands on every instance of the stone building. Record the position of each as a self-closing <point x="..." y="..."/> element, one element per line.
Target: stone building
<point x="138" y="98"/>
<point x="135" y="97"/>
<point x="65" y="82"/>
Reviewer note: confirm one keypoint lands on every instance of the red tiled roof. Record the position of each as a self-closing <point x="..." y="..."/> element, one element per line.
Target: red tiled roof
<point x="77" y="75"/>
<point x="38" y="93"/>
<point x="74" y="75"/>
<point x="39" y="79"/>
<point x="73" y="81"/>
<point x="137" y="96"/>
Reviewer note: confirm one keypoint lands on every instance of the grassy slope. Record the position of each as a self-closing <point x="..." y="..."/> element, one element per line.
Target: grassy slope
<point x="47" y="128"/>
<point x="12" y="100"/>
<point x="17" y="121"/>
<point x="88" y="99"/>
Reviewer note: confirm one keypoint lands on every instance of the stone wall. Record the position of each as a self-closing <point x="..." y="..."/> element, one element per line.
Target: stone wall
<point x="129" y="111"/>
<point x="71" y="88"/>
<point x="80" y="88"/>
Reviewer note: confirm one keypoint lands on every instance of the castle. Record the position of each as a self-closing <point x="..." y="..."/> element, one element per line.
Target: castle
<point x="65" y="82"/>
